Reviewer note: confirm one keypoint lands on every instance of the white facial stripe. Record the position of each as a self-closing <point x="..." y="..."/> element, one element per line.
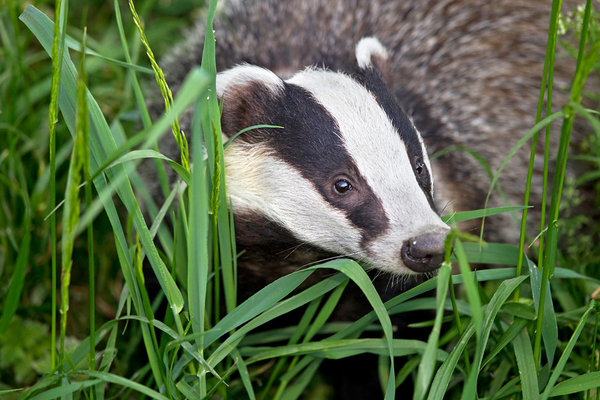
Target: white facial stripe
<point x="257" y="181"/>
<point x="380" y="155"/>
<point x="246" y="73"/>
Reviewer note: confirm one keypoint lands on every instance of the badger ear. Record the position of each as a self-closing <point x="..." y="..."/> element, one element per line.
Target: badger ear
<point x="246" y="91"/>
<point x="247" y="74"/>
<point x="371" y="54"/>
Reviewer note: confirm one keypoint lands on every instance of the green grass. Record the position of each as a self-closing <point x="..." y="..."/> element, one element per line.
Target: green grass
<point x="67" y="182"/>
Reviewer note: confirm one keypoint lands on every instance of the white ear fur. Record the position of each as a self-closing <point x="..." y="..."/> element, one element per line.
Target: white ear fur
<point x="246" y="73"/>
<point x="366" y="49"/>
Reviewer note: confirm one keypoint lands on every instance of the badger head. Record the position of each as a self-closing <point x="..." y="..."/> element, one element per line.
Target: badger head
<point x="347" y="172"/>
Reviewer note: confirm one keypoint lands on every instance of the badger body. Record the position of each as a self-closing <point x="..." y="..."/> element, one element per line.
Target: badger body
<point x="358" y="112"/>
<point x="466" y="72"/>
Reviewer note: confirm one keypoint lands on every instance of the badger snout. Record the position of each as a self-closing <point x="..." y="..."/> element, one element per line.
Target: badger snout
<point x="424" y="252"/>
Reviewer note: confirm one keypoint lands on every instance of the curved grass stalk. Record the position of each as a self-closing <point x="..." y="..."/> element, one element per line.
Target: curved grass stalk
<point x="164" y="89"/>
<point x="585" y="63"/>
<point x="547" y="80"/>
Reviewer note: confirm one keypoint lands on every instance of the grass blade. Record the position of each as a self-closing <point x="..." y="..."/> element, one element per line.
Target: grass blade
<point x="128" y="383"/>
<point x="587" y="59"/>
<point x="268" y="296"/>
<point x="243" y="371"/>
<point x="560" y="365"/>
<point x="198" y="255"/>
<point x="577" y="384"/>
<point x="337" y="349"/>
<point x="101" y="144"/>
<point x="507" y="338"/>
<point x="266" y="299"/>
<point x="526" y="364"/>
<point x="296" y="389"/>
<point x="66" y="390"/>
<point x="491" y="310"/>
<point x="325" y="312"/>
<point x="263" y="300"/>
<point x="446" y="370"/>
<point x="490" y="253"/>
<point x="427" y="365"/>
<point x="211" y="118"/>
<point x="474" y="214"/>
<point x="143" y="154"/>
<point x="549" y="327"/>
<point x="13" y="296"/>
<point x="470" y="287"/>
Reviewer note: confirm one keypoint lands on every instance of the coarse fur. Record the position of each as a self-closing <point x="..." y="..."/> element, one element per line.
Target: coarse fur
<point x="467" y="73"/>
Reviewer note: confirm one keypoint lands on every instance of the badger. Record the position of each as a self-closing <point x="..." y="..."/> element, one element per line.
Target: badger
<point x="362" y="89"/>
<point x="466" y="73"/>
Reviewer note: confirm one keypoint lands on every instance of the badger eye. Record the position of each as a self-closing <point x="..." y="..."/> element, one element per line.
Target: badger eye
<point x="342" y="186"/>
<point x="419" y="166"/>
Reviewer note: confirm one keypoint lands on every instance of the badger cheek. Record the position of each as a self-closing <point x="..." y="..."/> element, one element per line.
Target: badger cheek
<point x="378" y="253"/>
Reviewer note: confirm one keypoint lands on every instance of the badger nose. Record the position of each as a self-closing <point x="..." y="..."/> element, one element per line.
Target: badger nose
<point x="425" y="252"/>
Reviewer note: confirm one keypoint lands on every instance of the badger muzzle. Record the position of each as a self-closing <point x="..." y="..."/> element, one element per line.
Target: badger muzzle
<point x="424" y="252"/>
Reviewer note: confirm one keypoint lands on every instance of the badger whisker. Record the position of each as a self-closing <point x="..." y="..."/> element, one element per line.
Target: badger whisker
<point x="291" y="250"/>
<point x="377" y="275"/>
<point x="323" y="260"/>
<point x="447" y="205"/>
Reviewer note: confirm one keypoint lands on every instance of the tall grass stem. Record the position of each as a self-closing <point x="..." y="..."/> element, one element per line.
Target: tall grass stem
<point x="583" y="68"/>
<point x="60" y="11"/>
<point x="547" y="81"/>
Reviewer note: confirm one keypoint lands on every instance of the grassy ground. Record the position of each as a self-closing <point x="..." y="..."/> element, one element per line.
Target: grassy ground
<point x="494" y="333"/>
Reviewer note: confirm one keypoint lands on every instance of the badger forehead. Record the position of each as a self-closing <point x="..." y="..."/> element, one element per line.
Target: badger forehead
<point x="380" y="138"/>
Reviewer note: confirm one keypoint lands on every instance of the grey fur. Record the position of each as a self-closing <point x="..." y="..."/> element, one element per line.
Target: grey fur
<point x="468" y="72"/>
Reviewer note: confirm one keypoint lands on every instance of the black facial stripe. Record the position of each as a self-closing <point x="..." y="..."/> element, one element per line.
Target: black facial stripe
<point x="310" y="141"/>
<point x="371" y="80"/>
